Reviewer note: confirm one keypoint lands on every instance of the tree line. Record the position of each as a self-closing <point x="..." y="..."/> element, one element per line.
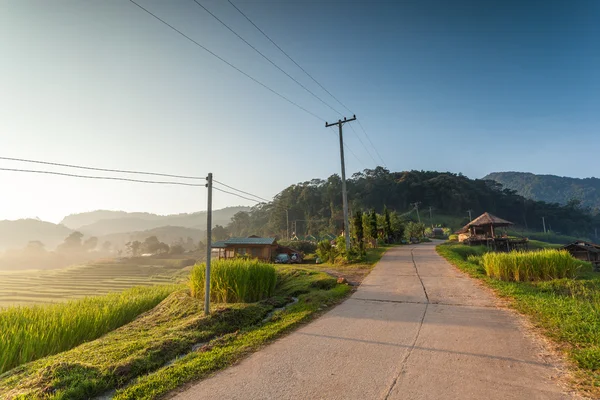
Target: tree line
<point x="315" y="207"/>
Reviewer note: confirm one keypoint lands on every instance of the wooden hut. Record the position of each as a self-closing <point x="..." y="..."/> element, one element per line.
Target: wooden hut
<point x="487" y="230"/>
<point x="585" y="251"/>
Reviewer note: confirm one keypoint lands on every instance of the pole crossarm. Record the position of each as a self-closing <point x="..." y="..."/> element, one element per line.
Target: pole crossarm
<point x="340" y="122"/>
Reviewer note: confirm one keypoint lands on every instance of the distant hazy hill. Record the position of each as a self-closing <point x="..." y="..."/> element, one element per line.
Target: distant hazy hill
<point x="16" y="234"/>
<point x="166" y="234"/>
<point x="101" y="223"/>
<point x="115" y="226"/>
<point x="76" y="221"/>
<point x="551" y="188"/>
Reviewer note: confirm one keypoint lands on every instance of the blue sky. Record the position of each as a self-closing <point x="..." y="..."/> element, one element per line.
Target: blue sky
<point x="462" y="86"/>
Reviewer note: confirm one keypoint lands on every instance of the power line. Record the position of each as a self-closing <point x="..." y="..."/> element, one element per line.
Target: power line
<point x="288" y="56"/>
<point x="100" y="169"/>
<point x="112" y="178"/>
<point x="363" y="144"/>
<point x="350" y="150"/>
<point x="374" y="148"/>
<point x="265" y="57"/>
<point x="241" y="191"/>
<point x="235" y="194"/>
<point x="309" y="75"/>
<point x="228" y="63"/>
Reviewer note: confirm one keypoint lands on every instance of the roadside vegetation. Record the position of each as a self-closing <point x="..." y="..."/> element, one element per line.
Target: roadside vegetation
<point x="540" y="265"/>
<point x="30" y="333"/>
<point x="566" y="309"/>
<point x="175" y="343"/>
<point x="234" y="281"/>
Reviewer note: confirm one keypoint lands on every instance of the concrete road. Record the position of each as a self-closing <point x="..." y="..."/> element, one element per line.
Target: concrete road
<point x="416" y="328"/>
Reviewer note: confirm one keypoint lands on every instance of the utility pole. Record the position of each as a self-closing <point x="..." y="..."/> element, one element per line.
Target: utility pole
<point x="417" y="208"/>
<point x="287" y="223"/>
<point x="596" y="230"/>
<point x="344" y="192"/>
<point x="209" y="185"/>
<point x="470" y="217"/>
<point x="544" y="223"/>
<point x="430" y="216"/>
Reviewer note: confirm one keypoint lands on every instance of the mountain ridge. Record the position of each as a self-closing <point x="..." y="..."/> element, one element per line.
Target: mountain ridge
<point x="551" y="188"/>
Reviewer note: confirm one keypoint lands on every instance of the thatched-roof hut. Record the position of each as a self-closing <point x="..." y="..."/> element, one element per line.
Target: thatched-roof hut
<point x="482" y="227"/>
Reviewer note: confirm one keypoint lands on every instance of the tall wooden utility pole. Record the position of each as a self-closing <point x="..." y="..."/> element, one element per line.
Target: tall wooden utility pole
<point x="431" y="216"/>
<point x="344" y="193"/>
<point x="544" y="223"/>
<point x="209" y="185"/>
<point x="287" y="223"/>
<point x="417" y="208"/>
<point x="470" y="217"/>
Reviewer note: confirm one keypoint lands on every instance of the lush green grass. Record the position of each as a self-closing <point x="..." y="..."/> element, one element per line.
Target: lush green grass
<point x="567" y="310"/>
<point x="549" y="237"/>
<point x="30" y="333"/>
<point x="235" y="281"/>
<point x="133" y="357"/>
<point x="538" y="245"/>
<point x="226" y="350"/>
<point x="539" y="265"/>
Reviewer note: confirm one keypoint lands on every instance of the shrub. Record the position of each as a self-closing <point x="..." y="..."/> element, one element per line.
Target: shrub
<point x="302" y="246"/>
<point x="453" y="238"/>
<point x="474" y="259"/>
<point x="325" y="251"/>
<point x="532" y="266"/>
<point x="235" y="281"/>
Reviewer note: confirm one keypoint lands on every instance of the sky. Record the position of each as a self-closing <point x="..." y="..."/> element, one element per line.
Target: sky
<point x="465" y="86"/>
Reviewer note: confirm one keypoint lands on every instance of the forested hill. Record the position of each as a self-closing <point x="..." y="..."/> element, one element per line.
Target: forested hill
<point x="317" y="205"/>
<point x="551" y="188"/>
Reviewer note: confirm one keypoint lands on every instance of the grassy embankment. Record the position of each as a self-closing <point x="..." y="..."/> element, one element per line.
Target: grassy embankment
<point x="567" y="310"/>
<point x="133" y="359"/>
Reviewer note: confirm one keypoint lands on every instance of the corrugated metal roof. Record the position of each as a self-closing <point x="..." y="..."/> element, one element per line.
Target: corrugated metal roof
<point x="219" y="245"/>
<point x="250" y="240"/>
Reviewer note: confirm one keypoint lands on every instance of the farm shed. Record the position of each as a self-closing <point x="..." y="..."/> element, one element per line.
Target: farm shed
<point x="254" y="247"/>
<point x="585" y="251"/>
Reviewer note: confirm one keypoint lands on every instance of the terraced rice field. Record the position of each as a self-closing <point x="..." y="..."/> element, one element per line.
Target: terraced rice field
<point x="51" y="286"/>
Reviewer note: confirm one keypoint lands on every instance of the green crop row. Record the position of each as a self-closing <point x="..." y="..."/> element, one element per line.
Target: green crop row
<point x="30" y="333"/>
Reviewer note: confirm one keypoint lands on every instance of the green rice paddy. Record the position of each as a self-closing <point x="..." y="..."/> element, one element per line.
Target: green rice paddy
<point x="51" y="286"/>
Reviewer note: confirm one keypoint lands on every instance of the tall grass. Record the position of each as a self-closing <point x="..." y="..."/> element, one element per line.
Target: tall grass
<point x="33" y="332"/>
<point x="235" y="281"/>
<point x="545" y="264"/>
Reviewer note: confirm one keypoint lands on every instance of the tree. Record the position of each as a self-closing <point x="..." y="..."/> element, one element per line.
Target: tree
<point x="176" y="249"/>
<point x="359" y="234"/>
<point x="151" y="245"/>
<point x="387" y="224"/>
<point x="72" y="243"/>
<point x="134" y="248"/>
<point x="373" y="224"/>
<point x="106" y="246"/>
<point x="189" y="244"/>
<point x="414" y="230"/>
<point x="163" y="248"/>
<point x="90" y="244"/>
<point x="219" y="233"/>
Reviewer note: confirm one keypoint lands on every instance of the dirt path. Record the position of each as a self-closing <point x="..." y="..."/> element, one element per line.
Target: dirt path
<point x="415" y="329"/>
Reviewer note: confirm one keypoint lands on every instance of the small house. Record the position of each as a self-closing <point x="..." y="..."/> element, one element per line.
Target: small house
<point x="585" y="251"/>
<point x="253" y="247"/>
